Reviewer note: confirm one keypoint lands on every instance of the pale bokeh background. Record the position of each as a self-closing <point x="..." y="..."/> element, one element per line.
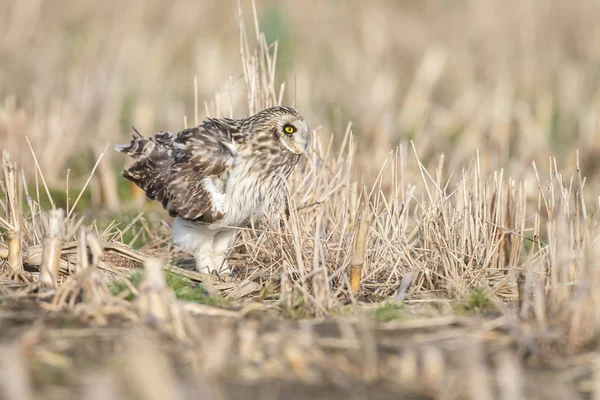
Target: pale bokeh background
<point x="517" y="79"/>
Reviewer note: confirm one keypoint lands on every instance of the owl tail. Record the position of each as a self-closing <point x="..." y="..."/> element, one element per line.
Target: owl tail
<point x="151" y="162"/>
<point x="138" y="147"/>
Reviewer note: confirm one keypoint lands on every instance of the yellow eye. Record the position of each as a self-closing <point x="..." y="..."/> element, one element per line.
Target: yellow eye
<point x="289" y="129"/>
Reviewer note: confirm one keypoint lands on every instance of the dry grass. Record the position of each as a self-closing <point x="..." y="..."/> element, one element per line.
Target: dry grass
<point x="400" y="270"/>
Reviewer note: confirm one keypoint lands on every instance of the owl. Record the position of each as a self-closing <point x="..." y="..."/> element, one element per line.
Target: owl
<point x="219" y="176"/>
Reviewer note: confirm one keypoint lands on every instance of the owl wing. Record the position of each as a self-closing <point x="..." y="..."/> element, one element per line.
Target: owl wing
<point x="185" y="172"/>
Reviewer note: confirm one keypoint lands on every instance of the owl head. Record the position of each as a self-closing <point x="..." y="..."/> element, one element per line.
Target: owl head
<point x="286" y="126"/>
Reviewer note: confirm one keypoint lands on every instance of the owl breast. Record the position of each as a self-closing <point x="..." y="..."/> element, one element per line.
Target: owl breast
<point x="247" y="195"/>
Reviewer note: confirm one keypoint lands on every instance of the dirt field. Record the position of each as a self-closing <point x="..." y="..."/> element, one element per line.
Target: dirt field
<point x="257" y="355"/>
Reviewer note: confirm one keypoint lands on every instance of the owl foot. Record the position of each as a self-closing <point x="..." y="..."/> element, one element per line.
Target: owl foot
<point x="222" y="265"/>
<point x="207" y="265"/>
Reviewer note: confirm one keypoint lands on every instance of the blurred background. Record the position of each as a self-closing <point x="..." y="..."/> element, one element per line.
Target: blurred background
<point x="516" y="79"/>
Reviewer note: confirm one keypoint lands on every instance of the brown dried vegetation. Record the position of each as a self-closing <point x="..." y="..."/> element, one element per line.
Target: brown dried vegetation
<point x="390" y="278"/>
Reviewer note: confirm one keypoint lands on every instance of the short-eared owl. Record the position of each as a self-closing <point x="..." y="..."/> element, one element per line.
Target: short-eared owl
<point x="218" y="176"/>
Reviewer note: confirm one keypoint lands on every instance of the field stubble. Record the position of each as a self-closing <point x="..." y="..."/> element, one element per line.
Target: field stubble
<point x="432" y="282"/>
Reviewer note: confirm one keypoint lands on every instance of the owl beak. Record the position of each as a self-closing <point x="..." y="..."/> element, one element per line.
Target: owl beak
<point x="301" y="144"/>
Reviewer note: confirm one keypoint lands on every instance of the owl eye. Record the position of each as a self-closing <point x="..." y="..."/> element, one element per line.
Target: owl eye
<point x="289" y="129"/>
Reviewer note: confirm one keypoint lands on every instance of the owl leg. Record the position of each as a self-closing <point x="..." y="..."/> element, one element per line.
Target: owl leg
<point x="197" y="239"/>
<point x="223" y="241"/>
<point x="203" y="256"/>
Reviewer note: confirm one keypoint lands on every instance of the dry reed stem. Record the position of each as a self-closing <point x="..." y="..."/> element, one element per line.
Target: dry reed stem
<point x="106" y="183"/>
<point x="93" y="285"/>
<point x="87" y="182"/>
<point x="359" y="248"/>
<point x="319" y="278"/>
<point x="41" y="174"/>
<point x="82" y="251"/>
<point x="86" y="290"/>
<point x="13" y="224"/>
<point x="286" y="289"/>
<point x="54" y="233"/>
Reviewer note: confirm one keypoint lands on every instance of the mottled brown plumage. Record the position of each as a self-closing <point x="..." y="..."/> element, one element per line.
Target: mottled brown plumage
<point x="218" y="175"/>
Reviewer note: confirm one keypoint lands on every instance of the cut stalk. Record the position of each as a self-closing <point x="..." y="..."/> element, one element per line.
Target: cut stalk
<point x="157" y="304"/>
<point x="15" y="245"/>
<point x="94" y="286"/>
<point x="55" y="231"/>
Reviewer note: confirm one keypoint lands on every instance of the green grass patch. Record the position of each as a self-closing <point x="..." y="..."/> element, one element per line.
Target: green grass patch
<point x="121" y="221"/>
<point x="297" y="310"/>
<point x="388" y="312"/>
<point x="184" y="289"/>
<point x="476" y="302"/>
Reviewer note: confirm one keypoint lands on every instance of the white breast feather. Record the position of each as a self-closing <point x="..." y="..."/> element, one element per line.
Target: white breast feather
<point x="219" y="199"/>
<point x="245" y="195"/>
